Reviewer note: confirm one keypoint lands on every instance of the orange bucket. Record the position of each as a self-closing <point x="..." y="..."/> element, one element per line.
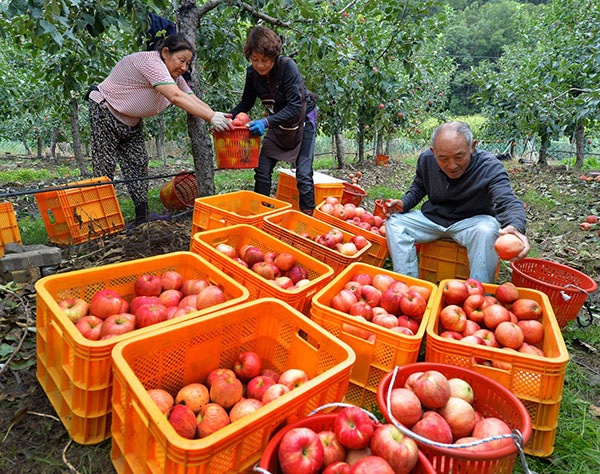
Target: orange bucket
<point x="353" y="194"/>
<point x="380" y="208"/>
<point x="381" y="160"/>
<point x="180" y="192"/>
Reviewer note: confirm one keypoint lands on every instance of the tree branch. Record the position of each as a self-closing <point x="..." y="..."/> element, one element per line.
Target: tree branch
<point x="350" y="5"/>
<point x="269" y="19"/>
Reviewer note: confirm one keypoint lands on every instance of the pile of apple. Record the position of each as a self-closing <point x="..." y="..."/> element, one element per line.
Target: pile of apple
<point x="504" y="321"/>
<point x="157" y="299"/>
<point x="355" y="445"/>
<point x="443" y="410"/>
<point x="384" y="301"/>
<point x="356" y="215"/>
<point x="200" y="409"/>
<point x="280" y="269"/>
<point x="240" y="120"/>
<point x="590" y="221"/>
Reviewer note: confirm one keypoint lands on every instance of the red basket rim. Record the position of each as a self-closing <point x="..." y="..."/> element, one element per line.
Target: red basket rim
<point x="593" y="286"/>
<point x="271" y="449"/>
<point x="461" y="453"/>
<point x="353" y="188"/>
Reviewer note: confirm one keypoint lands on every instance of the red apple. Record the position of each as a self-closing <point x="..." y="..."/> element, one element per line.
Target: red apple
<point x="210" y="296"/>
<point x="461" y="389"/>
<point x="405" y="406"/>
<point x="211" y="418"/>
<point x="489" y="427"/>
<point x="455" y="292"/>
<point x="489" y="338"/>
<point x="171" y="280"/>
<point x="258" y="385"/>
<point x="524" y="308"/>
<point x="382" y="282"/>
<point x="216" y="373"/>
<point x="400" y="451"/>
<point x="474" y="287"/>
<point x="524" y="349"/>
<point x="274" y="392"/>
<point x="180" y="311"/>
<point x="118" y="324"/>
<point x="240" y="262"/>
<point x="391" y="300"/>
<point x="424" y="291"/>
<point x="226" y="250"/>
<point x="248" y="365"/>
<point x="509" y="335"/>
<point x="163" y="399"/>
<point x="194" y="395"/>
<point x="370" y="295"/>
<point x="414" y="305"/>
<point x="353" y="428"/>
<point x="411" y="379"/>
<point x="343" y="301"/>
<point x="361" y="308"/>
<point x="293" y="378"/>
<point x="433" y="426"/>
<point x="300" y="452"/>
<point x="533" y="331"/>
<point x="74" y="308"/>
<point x="253" y="255"/>
<point x="333" y="451"/>
<point x="297" y="273"/>
<point x="471" y="328"/>
<point x="139" y="301"/>
<point x="473" y="339"/>
<point x="272" y="374"/>
<point x="183" y="421"/>
<point x="372" y="465"/>
<point x="363" y="278"/>
<point x="453" y="318"/>
<point x="264" y="269"/>
<point x="285" y="261"/>
<point x="460" y="417"/>
<point x="148" y="285"/>
<point x="359" y="241"/>
<point x="452" y="335"/>
<point x="507" y="293"/>
<point x="354" y="287"/>
<point x="150" y="314"/>
<point x="194" y="287"/>
<point x="348" y="249"/>
<point x="473" y="306"/>
<point x="508" y="246"/>
<point x="388" y="321"/>
<point x="405" y="321"/>
<point x="105" y="303"/>
<point x="90" y="327"/>
<point x="433" y="389"/>
<point x="226" y="391"/>
<point x="169" y="298"/>
<point x="338" y="468"/>
<point x="243" y="408"/>
<point x="494" y="315"/>
<point x="188" y="301"/>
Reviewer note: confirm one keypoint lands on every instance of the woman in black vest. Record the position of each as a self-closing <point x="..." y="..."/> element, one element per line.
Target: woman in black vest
<point x="292" y="120"/>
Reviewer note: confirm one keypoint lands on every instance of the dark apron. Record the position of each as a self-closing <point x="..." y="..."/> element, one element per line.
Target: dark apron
<point x="283" y="142"/>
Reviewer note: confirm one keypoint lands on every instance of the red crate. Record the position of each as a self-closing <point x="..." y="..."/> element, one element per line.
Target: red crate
<point x="236" y="149"/>
<point x="9" y="230"/>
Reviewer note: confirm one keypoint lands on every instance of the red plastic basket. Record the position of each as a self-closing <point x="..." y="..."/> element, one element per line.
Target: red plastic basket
<point x="491" y="399"/>
<point x="554" y="279"/>
<point x="353" y="194"/>
<point x="236" y="148"/>
<point x="180" y="192"/>
<point x="381" y="160"/>
<point x="270" y="461"/>
<point x="379" y="208"/>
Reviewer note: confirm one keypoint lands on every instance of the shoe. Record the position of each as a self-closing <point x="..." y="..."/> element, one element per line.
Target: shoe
<point x="308" y="212"/>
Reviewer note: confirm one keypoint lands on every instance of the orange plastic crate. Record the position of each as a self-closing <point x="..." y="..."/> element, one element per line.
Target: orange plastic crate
<point x="444" y="259"/>
<point x="325" y="185"/>
<point x="373" y="359"/>
<point x="379" y="249"/>
<point x="319" y="274"/>
<point x="317" y="423"/>
<point x="9" y="230"/>
<point x="287" y="225"/>
<point x="491" y="400"/>
<point x="72" y="216"/>
<point x="240" y="207"/>
<point x="75" y="372"/>
<point x="237" y="148"/>
<point x="144" y="441"/>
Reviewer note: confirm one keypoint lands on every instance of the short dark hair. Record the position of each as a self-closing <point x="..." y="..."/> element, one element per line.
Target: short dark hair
<point x="175" y="43"/>
<point x="263" y="41"/>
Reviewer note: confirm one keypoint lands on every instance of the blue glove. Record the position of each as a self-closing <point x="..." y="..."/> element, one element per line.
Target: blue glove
<point x="258" y="126"/>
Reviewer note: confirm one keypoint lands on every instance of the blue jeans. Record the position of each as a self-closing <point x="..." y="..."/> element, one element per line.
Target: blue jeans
<point x="477" y="234"/>
<point x="304" y="171"/>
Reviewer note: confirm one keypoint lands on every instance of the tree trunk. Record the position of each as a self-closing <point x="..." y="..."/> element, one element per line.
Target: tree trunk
<point x="361" y="142"/>
<point x="200" y="140"/>
<point x="160" y="144"/>
<point x="39" y="147"/>
<point x="339" y="149"/>
<point x="388" y="146"/>
<point x="379" y="143"/>
<point x="579" y="145"/>
<point x="513" y="149"/>
<point x="542" y="159"/>
<point x="74" y="119"/>
<point x="87" y="148"/>
<point x="24" y="142"/>
<point x="53" y="140"/>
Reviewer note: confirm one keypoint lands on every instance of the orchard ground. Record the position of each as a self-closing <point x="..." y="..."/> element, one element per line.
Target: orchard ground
<point x="34" y="440"/>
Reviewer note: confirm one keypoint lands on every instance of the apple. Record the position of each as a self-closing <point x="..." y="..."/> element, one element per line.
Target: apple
<point x="90" y="327"/>
<point x="411" y="379"/>
<point x="343" y="301"/>
<point x="488" y="301"/>
<point x="388" y="321"/>
<point x="372" y="465"/>
<point x="74" y="308"/>
<point x="400" y="451"/>
<point x="489" y="338"/>
<point x="240" y="262"/>
<point x="461" y="389"/>
<point x="301" y="283"/>
<point x="474" y="287"/>
<point x="509" y="335"/>
<point x="216" y="373"/>
<point x="285" y="261"/>
<point x="226" y="250"/>
<point x="489" y="427"/>
<point x="183" y="421"/>
<point x="453" y="318"/>
<point x="105" y="303"/>
<point x="473" y="307"/>
<point x="300" y="452"/>
<point x="507" y="293"/>
<point x="189" y="301"/>
<point x="274" y="392"/>
<point x="337" y="235"/>
<point x="355" y="330"/>
<point x="362" y="308"/>
<point x="248" y="365"/>
<point x="271" y="373"/>
<point x="391" y="301"/>
<point x="139" y="301"/>
<point x="253" y="255"/>
<point x="258" y="385"/>
<point x="150" y="314"/>
<point x="452" y="335"/>
<point x="370" y="295"/>
<point x="163" y="399"/>
<point x="422" y="290"/>
<point x="244" y="407"/>
<point x="353" y="428"/>
<point x="355" y="455"/>
<point x="524" y="308"/>
<point x="293" y="378"/>
<point x="359" y="241"/>
<point x="265" y="270"/>
<point x="297" y="273"/>
<point x="348" y="249"/>
<point x="148" y="285"/>
<point x="455" y="292"/>
<point x="194" y="287"/>
<point x="171" y="280"/>
<point x="405" y="406"/>
<point x="409" y="323"/>
<point x="193" y="395"/>
<point x="338" y="468"/>
<point x="433" y="426"/>
<point x="471" y="328"/>
<point x="363" y="278"/>
<point x="211" y="418"/>
<point x="433" y="389"/>
<point x="473" y="339"/>
<point x="210" y="296"/>
<point x="508" y="246"/>
<point x="460" y="416"/>
<point x="284" y="282"/>
<point x="381" y="281"/>
<point x="529" y="349"/>
<point x="591" y="219"/>
<point x="533" y="331"/>
<point x="494" y="315"/>
<point x="118" y="324"/>
<point x="168" y="298"/>
<point x="333" y="451"/>
<point x="271" y="256"/>
<point x="327" y="208"/>
<point x="226" y="391"/>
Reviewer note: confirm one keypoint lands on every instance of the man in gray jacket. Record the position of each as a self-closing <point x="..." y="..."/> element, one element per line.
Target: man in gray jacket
<point x="470" y="201"/>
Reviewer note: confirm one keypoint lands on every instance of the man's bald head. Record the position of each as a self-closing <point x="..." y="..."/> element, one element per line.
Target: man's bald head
<point x="453" y="128"/>
<point x="452" y="144"/>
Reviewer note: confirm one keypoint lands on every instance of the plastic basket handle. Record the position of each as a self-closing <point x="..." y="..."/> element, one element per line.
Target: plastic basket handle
<point x="587" y="305"/>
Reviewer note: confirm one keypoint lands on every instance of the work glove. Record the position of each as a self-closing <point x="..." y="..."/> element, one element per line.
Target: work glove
<point x="220" y="122"/>
<point x="258" y="126"/>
